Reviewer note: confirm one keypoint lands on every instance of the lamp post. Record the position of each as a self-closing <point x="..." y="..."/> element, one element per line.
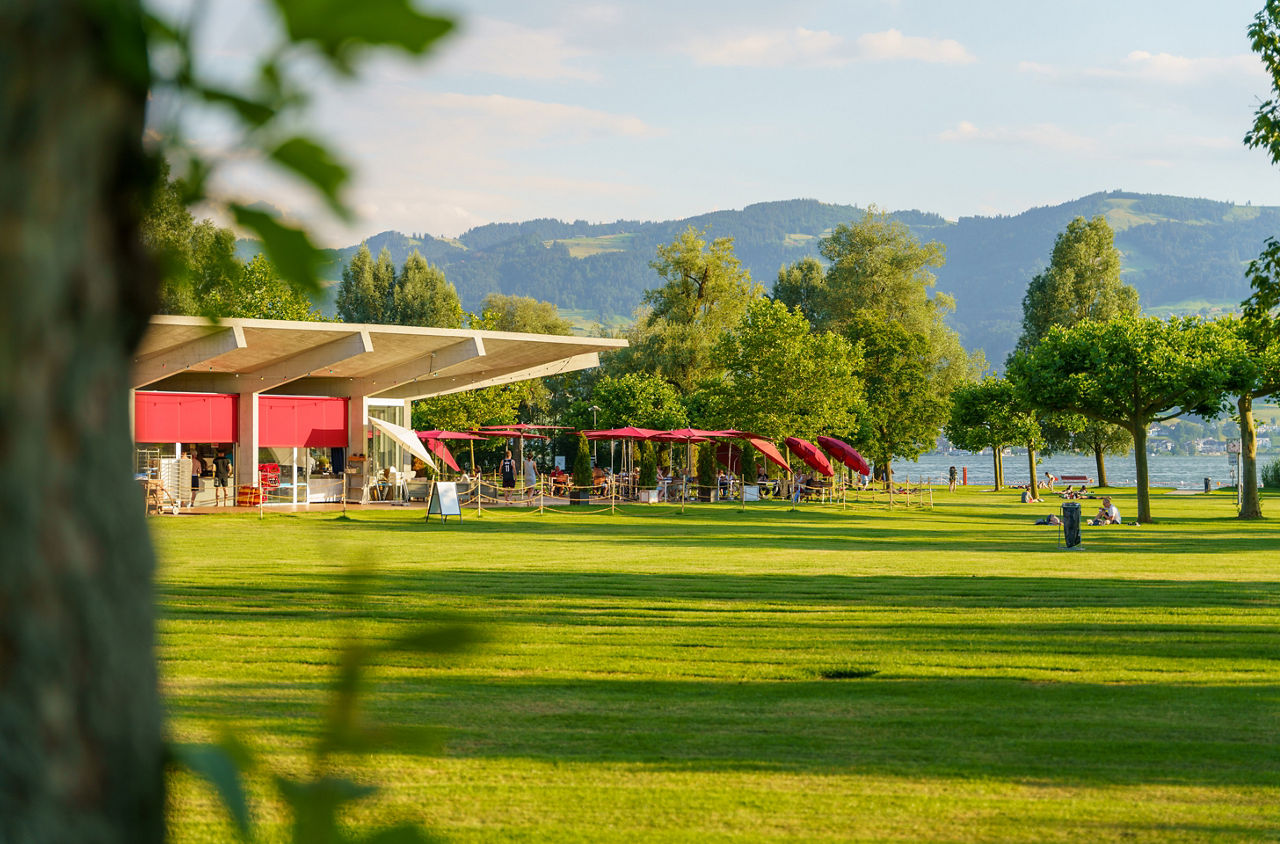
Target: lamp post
<point x="594" y="410"/>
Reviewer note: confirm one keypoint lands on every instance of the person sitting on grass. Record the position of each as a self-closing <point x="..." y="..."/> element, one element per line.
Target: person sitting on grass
<point x="1108" y="514"/>
<point x="1029" y="496"/>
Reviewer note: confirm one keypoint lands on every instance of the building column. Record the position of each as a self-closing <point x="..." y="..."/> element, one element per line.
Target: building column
<point x="247" y="440"/>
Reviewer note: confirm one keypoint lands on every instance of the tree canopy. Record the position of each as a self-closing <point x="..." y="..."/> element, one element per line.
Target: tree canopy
<point x="781" y="379"/>
<point x="991" y="414"/>
<point x="1081" y="282"/>
<point x="1130" y="371"/>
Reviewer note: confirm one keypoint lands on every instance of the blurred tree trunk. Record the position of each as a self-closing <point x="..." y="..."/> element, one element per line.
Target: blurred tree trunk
<point x="80" y="718"/>
<point x="1101" y="462"/>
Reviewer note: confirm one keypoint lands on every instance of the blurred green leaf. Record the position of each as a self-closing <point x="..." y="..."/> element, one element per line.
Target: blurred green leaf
<point x="404" y="834"/>
<point x="315" y="806"/>
<point x="252" y="112"/>
<point x="288" y="248"/>
<point x="220" y="766"/>
<point x="439" y="640"/>
<point x="340" y="28"/>
<point x="316" y="165"/>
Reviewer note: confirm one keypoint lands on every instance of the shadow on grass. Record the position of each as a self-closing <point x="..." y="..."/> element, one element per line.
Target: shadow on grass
<point x="1060" y="733"/>
<point x="389" y="591"/>
<point x="983" y="526"/>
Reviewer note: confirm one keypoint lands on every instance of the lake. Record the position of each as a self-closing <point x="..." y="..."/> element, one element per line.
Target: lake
<point x="1180" y="472"/>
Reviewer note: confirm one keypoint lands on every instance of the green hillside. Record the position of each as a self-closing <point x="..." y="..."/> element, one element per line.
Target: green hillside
<point x="1183" y="255"/>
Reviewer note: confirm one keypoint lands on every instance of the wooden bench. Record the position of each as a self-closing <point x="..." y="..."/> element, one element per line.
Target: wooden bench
<point x="1075" y="479"/>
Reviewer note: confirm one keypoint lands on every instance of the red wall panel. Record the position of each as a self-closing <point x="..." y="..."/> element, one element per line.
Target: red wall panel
<point x="285" y="421"/>
<point x="184" y="418"/>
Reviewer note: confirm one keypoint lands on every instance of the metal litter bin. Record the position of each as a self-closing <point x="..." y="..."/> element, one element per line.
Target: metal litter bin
<point x="1070" y="524"/>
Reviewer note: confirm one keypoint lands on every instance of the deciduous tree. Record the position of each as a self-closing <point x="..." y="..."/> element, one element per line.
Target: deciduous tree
<point x="705" y="292"/>
<point x="990" y="414"/>
<point x="781" y="379"/>
<point x="424" y="297"/>
<point x="1129" y="372"/>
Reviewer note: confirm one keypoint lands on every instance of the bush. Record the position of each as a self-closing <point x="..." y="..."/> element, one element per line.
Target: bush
<point x="749" y="467"/>
<point x="648" y="467"/>
<point x="582" y="474"/>
<point x="1271" y="474"/>
<point x="707" y="464"/>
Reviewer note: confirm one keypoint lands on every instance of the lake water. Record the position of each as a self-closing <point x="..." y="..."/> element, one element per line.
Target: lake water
<point x="1165" y="470"/>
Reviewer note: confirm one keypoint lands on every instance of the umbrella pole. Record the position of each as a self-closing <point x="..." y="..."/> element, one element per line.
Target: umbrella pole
<point x="475" y="478"/>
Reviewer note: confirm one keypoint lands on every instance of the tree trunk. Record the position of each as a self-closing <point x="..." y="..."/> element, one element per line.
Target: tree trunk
<point x="1101" y="460"/>
<point x="1139" y="432"/>
<point x="1031" y="465"/>
<point x="995" y="466"/>
<point x="1251" y="505"/>
<point x="80" y="716"/>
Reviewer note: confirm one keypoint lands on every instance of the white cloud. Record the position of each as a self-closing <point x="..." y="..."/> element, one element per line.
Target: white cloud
<point x="1040" y="136"/>
<point x="800" y="47"/>
<point x="502" y="48"/>
<point x="522" y="119"/>
<point x="892" y="45"/>
<point x="1158" y="68"/>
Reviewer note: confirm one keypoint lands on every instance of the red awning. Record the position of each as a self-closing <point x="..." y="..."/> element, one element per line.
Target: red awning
<point x="808" y="452"/>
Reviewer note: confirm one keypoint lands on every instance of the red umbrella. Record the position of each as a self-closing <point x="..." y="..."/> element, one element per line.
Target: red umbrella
<point x="433" y="440"/>
<point x="508" y="434"/>
<point x="520" y="426"/>
<point x="447" y="435"/>
<point x="809" y="453"/>
<point x="626" y="433"/>
<point x="730" y="456"/>
<point x="846" y="454"/>
<point x="439" y="449"/>
<point x="763" y="446"/>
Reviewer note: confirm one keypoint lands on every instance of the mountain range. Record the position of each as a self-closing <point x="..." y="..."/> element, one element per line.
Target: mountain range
<point x="1183" y="255"/>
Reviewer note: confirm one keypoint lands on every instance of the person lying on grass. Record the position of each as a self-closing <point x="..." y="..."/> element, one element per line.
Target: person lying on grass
<point x="1108" y="514"/>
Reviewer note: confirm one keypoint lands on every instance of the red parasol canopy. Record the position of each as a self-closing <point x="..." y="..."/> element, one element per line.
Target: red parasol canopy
<point x="439" y="449"/>
<point x="447" y="435"/>
<point x="626" y="433"/>
<point x="808" y="452"/>
<point x="509" y="434"/>
<point x="519" y="426"/>
<point x="768" y="449"/>
<point x="846" y="454"/>
<point x="690" y="433"/>
<point x="730" y="456"/>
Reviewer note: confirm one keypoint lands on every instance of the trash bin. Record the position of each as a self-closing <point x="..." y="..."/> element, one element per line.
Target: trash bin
<point x="1206" y="485"/>
<point x="1070" y="524"/>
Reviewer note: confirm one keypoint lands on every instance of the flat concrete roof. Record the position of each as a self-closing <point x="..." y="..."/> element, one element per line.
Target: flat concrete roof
<point x="191" y="354"/>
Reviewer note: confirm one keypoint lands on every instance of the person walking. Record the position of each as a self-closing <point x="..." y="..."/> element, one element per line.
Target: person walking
<point x="530" y="474"/>
<point x="508" y="470"/>
<point x="222" y="479"/>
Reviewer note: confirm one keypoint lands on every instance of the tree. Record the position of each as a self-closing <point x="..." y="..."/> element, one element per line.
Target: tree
<point x="1082" y="282"/>
<point x="261" y="294"/>
<point x="356" y="292"/>
<point x="500" y="312"/>
<point x="802" y="285"/>
<point x="877" y="293"/>
<point x="381" y="303"/>
<point x="706" y="291"/>
<point x="424" y="297"/>
<point x="1129" y="372"/>
<point x="783" y="380"/>
<point x="990" y="414"/>
<point x="639" y="399"/>
<point x="81" y="750"/>
<point x="1101" y="439"/>
<point x="904" y="409"/>
<point x="1253" y="373"/>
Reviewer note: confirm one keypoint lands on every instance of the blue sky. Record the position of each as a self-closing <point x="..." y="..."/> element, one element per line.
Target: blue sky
<point x="656" y="109"/>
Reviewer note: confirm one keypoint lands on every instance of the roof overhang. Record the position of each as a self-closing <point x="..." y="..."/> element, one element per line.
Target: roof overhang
<point x="180" y="353"/>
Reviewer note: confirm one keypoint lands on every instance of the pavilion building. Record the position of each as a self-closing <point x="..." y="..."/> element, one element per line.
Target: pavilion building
<point x="298" y="397"/>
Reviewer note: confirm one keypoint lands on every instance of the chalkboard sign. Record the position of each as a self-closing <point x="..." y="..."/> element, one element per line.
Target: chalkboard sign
<point x="444" y="501"/>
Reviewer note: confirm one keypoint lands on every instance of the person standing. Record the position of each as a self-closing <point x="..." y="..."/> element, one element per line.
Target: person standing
<point x="222" y="479"/>
<point x="951" y="479"/>
<point x="530" y="473"/>
<point x="197" y="469"/>
<point x="508" y="470"/>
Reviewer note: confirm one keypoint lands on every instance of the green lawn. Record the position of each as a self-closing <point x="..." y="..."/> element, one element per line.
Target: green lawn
<point x="943" y="675"/>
